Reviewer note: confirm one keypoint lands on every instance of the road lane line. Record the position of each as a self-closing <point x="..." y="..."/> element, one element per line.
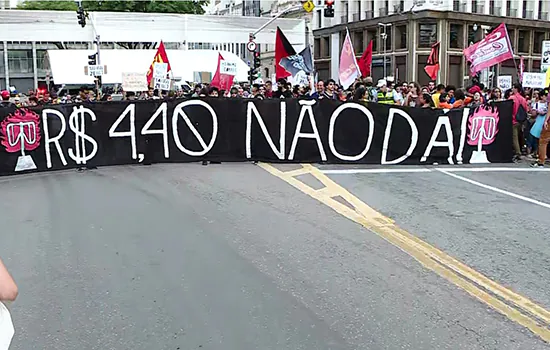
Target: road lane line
<point x="429" y="256"/>
<point x="375" y="171"/>
<point x="429" y="170"/>
<point x="495" y="189"/>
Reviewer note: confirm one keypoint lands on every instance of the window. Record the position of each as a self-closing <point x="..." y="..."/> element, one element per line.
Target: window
<point x="456" y="5"/>
<point x="524" y="41"/>
<point x="474" y="35"/>
<point x="427" y="35"/>
<point x="536" y="65"/>
<point x="537" y="42"/>
<point x="474" y="6"/>
<point x="492" y="7"/>
<point x="456" y="36"/>
<point x="455" y="71"/>
<point x="319" y="19"/>
<point x="1" y="60"/>
<point x="389" y="38"/>
<point x="358" y="43"/>
<point x="317" y="48"/>
<point x="41" y="61"/>
<point x="401" y="68"/>
<point x="372" y="35"/>
<point x="524" y="10"/>
<point x="401" y="37"/>
<point x="326" y="47"/>
<point x="20" y="61"/>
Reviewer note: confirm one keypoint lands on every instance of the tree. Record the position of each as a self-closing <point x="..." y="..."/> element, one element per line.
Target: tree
<point x="190" y="7"/>
<point x="152" y="6"/>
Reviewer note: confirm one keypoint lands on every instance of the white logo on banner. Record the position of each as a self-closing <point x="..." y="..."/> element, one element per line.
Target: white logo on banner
<point x="26" y="133"/>
<point x="77" y="123"/>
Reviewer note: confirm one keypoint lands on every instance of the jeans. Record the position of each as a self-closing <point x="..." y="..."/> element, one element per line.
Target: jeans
<point x="516" y="131"/>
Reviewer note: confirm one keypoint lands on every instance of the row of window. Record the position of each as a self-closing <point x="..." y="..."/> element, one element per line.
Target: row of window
<point x="20" y="61"/>
<point x="395" y="37"/>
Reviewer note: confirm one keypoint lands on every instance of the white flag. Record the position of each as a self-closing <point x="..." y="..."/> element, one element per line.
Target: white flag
<point x="349" y="70"/>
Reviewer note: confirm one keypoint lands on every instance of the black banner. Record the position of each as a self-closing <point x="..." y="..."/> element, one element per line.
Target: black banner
<point x="132" y="132"/>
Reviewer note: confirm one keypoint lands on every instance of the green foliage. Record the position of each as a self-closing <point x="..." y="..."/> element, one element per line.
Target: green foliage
<point x="191" y="7"/>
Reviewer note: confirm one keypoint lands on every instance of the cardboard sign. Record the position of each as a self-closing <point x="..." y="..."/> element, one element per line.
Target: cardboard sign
<point x="534" y="80"/>
<point x="229" y="68"/>
<point x="160" y="70"/>
<point x="95" y="70"/>
<point x="134" y="82"/>
<point x="162" y="84"/>
<point x="504" y="82"/>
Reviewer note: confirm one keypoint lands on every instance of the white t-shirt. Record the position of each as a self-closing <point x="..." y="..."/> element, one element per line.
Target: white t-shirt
<point x="6" y="328"/>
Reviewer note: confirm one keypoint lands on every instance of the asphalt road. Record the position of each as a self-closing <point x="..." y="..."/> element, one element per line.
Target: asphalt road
<point x="230" y="257"/>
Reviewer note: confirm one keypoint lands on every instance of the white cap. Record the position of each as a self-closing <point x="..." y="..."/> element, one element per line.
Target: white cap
<point x="381" y="82"/>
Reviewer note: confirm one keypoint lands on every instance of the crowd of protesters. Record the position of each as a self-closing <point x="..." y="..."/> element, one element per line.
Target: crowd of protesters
<point x="530" y="109"/>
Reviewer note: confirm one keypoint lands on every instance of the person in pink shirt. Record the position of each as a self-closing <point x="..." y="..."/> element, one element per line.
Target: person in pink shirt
<point x="8" y="288"/>
<point x="519" y="100"/>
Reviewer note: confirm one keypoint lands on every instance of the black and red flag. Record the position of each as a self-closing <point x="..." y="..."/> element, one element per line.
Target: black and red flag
<point x="432" y="65"/>
<point x="283" y="49"/>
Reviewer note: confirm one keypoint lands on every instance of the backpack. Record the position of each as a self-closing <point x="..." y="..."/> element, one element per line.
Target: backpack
<point x="521" y="115"/>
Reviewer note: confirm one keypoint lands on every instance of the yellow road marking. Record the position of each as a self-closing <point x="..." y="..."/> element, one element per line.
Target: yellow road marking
<point x="521" y="310"/>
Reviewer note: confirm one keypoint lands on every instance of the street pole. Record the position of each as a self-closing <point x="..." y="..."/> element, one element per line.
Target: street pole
<point x="384" y="37"/>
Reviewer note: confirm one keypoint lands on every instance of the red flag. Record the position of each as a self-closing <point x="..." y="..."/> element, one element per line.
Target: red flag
<point x="160" y="57"/>
<point x="220" y="80"/>
<point x="365" y="62"/>
<point x="432" y="65"/>
<point x="283" y="49"/>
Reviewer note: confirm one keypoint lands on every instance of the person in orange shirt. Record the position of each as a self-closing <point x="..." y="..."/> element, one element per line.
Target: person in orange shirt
<point x="444" y="101"/>
<point x="460" y="99"/>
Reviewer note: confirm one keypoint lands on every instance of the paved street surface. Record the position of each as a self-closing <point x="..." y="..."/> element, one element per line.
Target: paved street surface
<point x="182" y="256"/>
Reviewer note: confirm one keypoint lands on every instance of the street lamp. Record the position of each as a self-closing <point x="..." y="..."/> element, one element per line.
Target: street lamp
<point x="384" y="37"/>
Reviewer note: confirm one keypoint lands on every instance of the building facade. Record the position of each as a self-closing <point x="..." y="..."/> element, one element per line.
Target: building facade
<point x="403" y="33"/>
<point x="26" y="36"/>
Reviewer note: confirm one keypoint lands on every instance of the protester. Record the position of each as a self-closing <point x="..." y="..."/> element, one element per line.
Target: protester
<point x="520" y="106"/>
<point x="539" y="109"/>
<point x="384" y="95"/>
<point x="440" y="88"/>
<point x="543" y="141"/>
<point x="5" y="102"/>
<point x="426" y="101"/>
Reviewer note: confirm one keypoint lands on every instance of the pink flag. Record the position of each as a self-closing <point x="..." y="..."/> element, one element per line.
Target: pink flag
<point x="493" y="49"/>
<point x="349" y="71"/>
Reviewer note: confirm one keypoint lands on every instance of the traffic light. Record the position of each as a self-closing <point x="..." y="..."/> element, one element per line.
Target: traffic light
<point x="329" y="8"/>
<point x="81" y="16"/>
<point x="92" y="59"/>
<point x="253" y="74"/>
<point x="257" y="60"/>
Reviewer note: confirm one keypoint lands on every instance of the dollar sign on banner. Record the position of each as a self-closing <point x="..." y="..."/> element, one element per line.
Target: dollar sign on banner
<point x="77" y="123"/>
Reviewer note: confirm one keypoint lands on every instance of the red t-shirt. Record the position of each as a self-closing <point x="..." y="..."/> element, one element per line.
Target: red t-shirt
<point x="518" y="101"/>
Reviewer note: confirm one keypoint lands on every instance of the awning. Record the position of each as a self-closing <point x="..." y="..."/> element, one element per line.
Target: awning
<point x="67" y="66"/>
